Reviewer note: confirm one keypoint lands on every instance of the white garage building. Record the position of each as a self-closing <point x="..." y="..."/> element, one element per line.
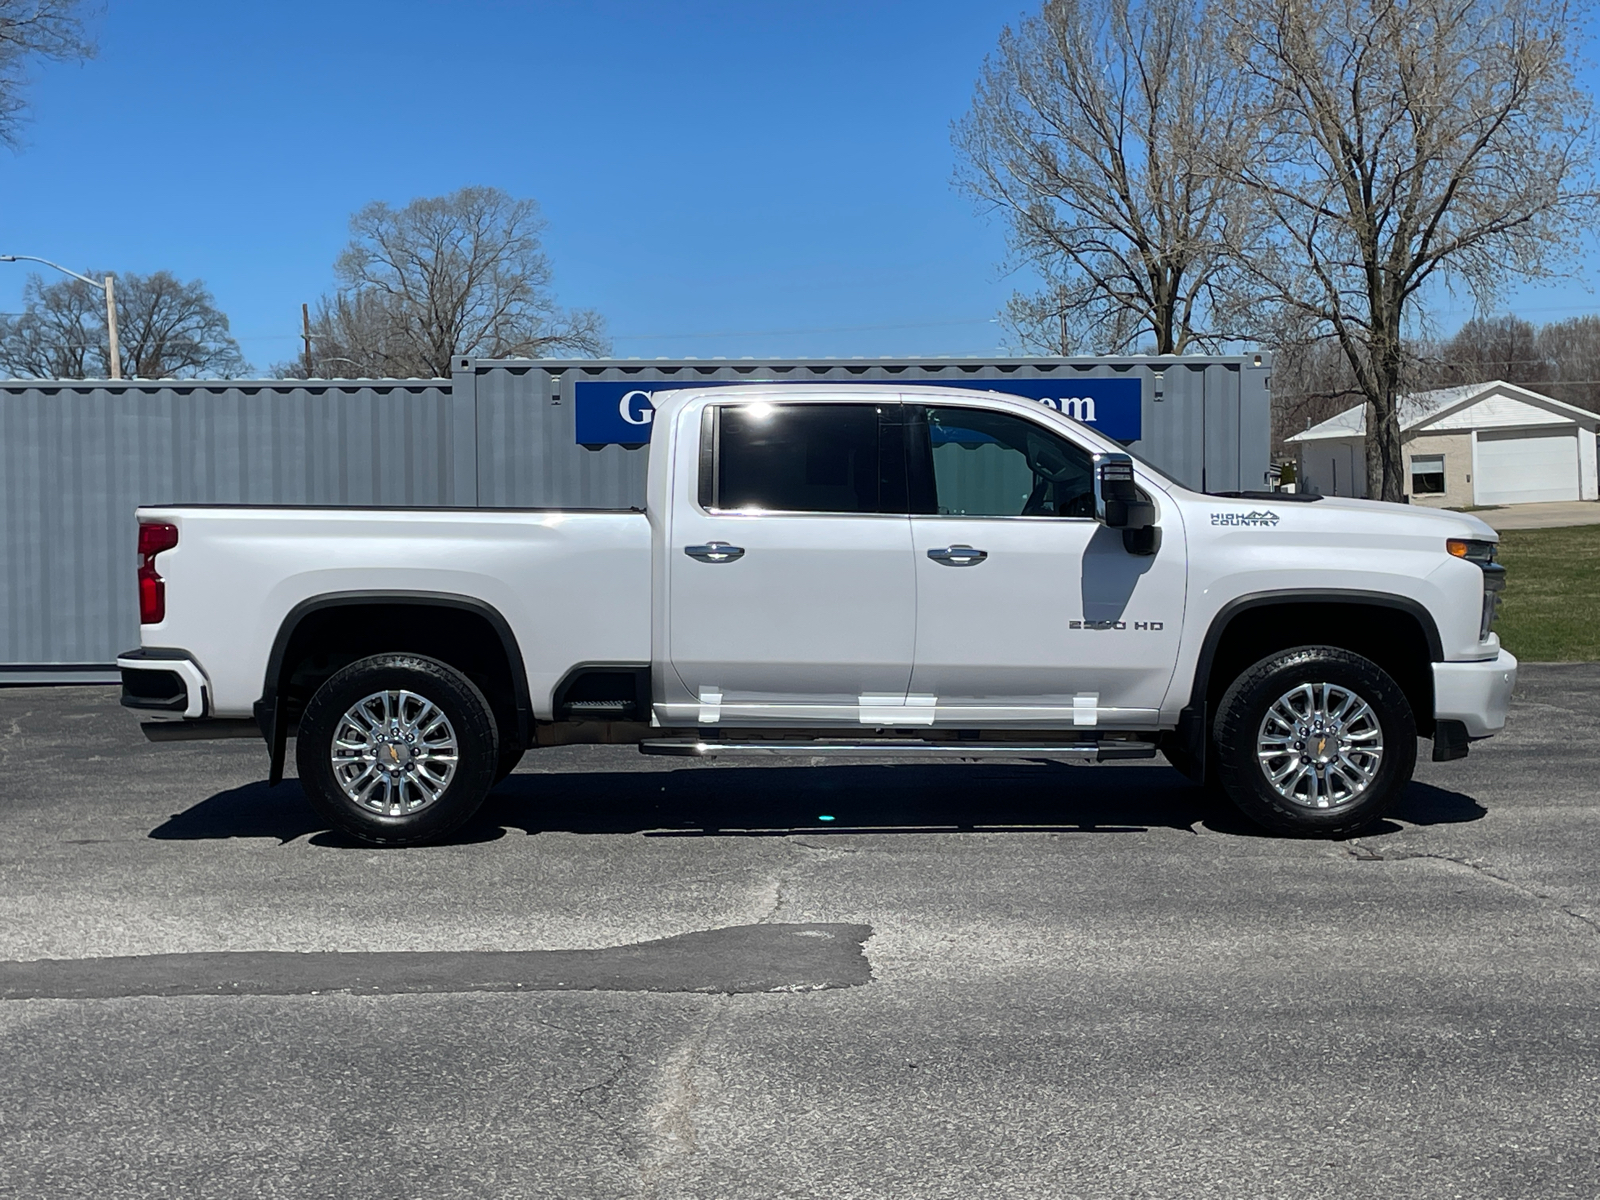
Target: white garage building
<point x="1485" y="443"/>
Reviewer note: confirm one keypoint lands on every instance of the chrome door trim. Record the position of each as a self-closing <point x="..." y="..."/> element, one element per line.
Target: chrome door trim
<point x="715" y="552"/>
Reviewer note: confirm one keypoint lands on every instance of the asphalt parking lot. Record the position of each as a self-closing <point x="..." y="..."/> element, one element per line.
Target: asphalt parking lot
<point x="975" y="980"/>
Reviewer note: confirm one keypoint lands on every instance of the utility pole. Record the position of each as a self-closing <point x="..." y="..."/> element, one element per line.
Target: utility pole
<point x="111" y="327"/>
<point x="305" y="332"/>
<point x="108" y="287"/>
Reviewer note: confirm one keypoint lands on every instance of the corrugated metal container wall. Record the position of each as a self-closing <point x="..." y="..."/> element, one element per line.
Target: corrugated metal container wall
<point x="78" y="457"/>
<point x="1204" y="421"/>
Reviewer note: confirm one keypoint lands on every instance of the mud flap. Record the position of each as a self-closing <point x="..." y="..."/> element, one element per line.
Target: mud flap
<point x="270" y="718"/>
<point x="1450" y="741"/>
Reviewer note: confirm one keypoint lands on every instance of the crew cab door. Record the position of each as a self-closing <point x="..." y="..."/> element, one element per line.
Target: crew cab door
<point x="790" y="579"/>
<point x="1029" y="611"/>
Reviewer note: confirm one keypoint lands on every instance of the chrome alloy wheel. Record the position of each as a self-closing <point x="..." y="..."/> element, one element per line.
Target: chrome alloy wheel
<point x="1320" y="745"/>
<point x="394" y="753"/>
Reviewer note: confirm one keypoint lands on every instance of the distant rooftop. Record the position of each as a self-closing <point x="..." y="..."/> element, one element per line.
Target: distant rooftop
<point x="1414" y="409"/>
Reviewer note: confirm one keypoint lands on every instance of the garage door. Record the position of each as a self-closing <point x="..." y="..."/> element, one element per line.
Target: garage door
<point x="1523" y="466"/>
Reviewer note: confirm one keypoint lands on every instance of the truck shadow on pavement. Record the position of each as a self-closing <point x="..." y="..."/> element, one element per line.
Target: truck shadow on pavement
<point x="776" y="801"/>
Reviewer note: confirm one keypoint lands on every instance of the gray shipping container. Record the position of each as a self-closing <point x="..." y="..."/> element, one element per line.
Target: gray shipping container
<point x="79" y="456"/>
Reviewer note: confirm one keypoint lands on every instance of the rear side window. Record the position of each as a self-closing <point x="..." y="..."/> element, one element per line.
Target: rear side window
<point x="811" y="458"/>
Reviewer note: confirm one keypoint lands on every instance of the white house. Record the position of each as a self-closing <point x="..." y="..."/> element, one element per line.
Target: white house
<point x="1485" y="443"/>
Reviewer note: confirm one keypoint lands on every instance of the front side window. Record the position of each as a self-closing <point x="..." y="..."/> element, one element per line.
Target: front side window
<point x="811" y="458"/>
<point x="991" y="464"/>
<point x="1427" y="475"/>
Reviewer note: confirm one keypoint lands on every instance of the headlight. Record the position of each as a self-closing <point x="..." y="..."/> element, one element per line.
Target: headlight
<point x="1475" y="552"/>
<point x="1494" y="577"/>
<point x="1494" y="582"/>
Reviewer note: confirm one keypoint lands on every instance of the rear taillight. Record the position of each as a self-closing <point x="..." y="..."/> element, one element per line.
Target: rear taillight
<point x="154" y="537"/>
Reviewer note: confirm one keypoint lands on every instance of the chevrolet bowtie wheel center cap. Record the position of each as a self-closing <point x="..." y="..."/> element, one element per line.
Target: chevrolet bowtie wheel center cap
<point x="1320" y="745"/>
<point x="394" y="753"/>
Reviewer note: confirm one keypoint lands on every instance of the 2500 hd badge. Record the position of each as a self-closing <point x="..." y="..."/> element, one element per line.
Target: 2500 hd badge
<point x="1150" y="625"/>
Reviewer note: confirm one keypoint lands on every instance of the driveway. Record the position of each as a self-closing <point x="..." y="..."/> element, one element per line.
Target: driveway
<point x="969" y="980"/>
<point x="1543" y="516"/>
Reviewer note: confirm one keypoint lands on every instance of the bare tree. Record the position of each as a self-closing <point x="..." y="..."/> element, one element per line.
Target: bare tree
<point x="1561" y="359"/>
<point x="172" y="329"/>
<point x="1407" y="143"/>
<point x="442" y="278"/>
<point x="1488" y="348"/>
<point x="1311" y="381"/>
<point x="1572" y="348"/>
<point x="167" y="329"/>
<point x="1107" y="134"/>
<point x="61" y="333"/>
<point x="30" y="30"/>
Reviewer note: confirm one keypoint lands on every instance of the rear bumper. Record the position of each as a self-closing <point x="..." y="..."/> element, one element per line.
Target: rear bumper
<point x="1475" y="693"/>
<point x="162" y="682"/>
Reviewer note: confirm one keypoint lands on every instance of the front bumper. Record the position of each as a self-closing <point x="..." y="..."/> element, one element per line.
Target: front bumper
<point x="1475" y="693"/>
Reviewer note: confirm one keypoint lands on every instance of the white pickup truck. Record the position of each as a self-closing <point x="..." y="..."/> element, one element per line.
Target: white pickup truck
<point x="835" y="569"/>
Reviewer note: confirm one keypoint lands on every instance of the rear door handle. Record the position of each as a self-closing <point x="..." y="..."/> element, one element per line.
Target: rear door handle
<point x="715" y="552"/>
<point x="958" y="556"/>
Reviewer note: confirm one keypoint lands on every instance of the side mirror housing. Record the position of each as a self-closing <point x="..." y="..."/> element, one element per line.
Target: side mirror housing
<point x="1118" y="504"/>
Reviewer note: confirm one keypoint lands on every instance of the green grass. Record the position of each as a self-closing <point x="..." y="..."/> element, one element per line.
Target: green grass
<point x="1551" y="608"/>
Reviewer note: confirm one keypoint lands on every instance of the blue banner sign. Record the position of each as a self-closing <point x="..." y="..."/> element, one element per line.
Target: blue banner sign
<point x="610" y="412"/>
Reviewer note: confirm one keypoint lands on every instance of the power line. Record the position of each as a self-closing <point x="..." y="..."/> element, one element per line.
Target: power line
<point x="645" y="337"/>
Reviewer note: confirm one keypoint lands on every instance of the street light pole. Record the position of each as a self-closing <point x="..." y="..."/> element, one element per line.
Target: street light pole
<point x="108" y="287"/>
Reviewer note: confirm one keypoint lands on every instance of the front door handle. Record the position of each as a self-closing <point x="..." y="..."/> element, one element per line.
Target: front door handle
<point x="715" y="552"/>
<point x="958" y="556"/>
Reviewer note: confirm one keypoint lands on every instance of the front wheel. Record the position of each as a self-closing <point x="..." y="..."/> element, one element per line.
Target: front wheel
<point x="1315" y="740"/>
<point x="397" y="749"/>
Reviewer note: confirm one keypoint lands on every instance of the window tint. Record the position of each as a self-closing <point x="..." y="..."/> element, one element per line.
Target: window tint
<point x="989" y="464"/>
<point x="819" y="458"/>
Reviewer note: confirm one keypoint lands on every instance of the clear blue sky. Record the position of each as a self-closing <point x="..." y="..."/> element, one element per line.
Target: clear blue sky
<point x="732" y="179"/>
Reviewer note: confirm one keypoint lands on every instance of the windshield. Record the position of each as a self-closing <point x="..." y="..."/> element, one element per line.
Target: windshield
<point x="1156" y="471"/>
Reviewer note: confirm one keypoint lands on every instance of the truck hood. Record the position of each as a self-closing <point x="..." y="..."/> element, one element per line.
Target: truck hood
<point x="1414" y="518"/>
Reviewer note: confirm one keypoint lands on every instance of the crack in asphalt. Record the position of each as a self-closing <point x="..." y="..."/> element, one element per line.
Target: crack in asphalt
<point x="670" y="1119"/>
<point x="625" y="1061"/>
<point x="1362" y="853"/>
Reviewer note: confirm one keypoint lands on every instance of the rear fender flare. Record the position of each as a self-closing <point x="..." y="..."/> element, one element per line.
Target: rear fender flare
<point x="270" y="709"/>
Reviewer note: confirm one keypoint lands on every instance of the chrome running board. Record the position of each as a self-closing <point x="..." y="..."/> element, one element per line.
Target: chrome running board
<point x="897" y="747"/>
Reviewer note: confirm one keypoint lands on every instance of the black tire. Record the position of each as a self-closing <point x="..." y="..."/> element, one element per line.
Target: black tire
<point x="440" y="809"/>
<point x="1244" y="776"/>
<point x="1185" y="763"/>
<point x="510" y="755"/>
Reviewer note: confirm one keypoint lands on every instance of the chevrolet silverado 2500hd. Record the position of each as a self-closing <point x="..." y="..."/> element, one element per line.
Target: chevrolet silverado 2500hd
<point x="835" y="570"/>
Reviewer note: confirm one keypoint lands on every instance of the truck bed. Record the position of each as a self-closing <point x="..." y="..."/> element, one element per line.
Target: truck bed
<point x="573" y="585"/>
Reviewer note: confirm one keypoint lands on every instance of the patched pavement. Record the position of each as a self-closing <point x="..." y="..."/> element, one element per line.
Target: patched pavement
<point x="638" y="977"/>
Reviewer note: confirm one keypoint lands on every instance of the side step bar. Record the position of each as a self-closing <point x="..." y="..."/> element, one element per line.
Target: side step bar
<point x="708" y="748"/>
<point x="200" y="730"/>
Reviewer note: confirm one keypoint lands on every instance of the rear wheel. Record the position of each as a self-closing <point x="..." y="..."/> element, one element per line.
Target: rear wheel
<point x="1315" y="740"/>
<point x="397" y="749"/>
